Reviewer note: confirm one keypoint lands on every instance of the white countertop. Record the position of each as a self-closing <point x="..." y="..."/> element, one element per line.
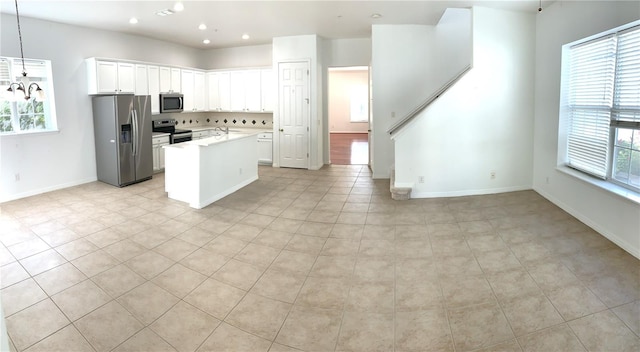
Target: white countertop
<point x="160" y="134"/>
<point x="205" y="142"/>
<point x="232" y="130"/>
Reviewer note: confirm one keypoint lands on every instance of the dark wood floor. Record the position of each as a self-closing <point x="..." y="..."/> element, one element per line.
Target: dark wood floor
<point x="349" y="148"/>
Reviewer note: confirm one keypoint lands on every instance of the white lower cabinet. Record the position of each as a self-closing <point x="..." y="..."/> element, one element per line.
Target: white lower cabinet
<point x="265" y="148"/>
<point x="158" y="152"/>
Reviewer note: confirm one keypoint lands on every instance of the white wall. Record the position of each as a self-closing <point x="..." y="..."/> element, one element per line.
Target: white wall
<point x="341" y="83"/>
<point x="483" y="123"/>
<point x="563" y="22"/>
<point x="243" y="56"/>
<point x="61" y="159"/>
<point x="302" y="48"/>
<point x="401" y="62"/>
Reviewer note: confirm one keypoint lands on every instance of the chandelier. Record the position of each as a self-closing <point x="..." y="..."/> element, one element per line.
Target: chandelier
<point x="23" y="85"/>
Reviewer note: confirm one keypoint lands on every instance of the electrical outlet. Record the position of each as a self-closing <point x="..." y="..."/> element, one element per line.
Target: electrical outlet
<point x="547" y="179"/>
<point x="240" y="171"/>
<point x="420" y="179"/>
<point x="493" y="175"/>
<point x="17" y="177"/>
<point x="393" y="114"/>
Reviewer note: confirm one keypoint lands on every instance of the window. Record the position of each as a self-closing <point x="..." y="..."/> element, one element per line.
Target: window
<point x="359" y="104"/>
<point x="602" y="110"/>
<point x="18" y="115"/>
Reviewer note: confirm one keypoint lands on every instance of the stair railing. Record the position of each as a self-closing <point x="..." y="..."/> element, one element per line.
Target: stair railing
<point x="405" y="120"/>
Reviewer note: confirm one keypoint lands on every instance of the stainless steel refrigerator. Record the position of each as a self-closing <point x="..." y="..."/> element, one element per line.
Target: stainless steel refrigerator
<point x="122" y="129"/>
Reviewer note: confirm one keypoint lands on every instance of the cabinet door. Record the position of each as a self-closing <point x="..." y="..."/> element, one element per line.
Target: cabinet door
<point x="161" y="156"/>
<point x="213" y="91"/>
<point x="165" y="79"/>
<point x="142" y="80"/>
<point x="126" y="78"/>
<point x="199" y="92"/>
<point x="187" y="90"/>
<point x="156" y="157"/>
<point x="266" y="90"/>
<point x="107" y="77"/>
<point x="154" y="88"/>
<point x="252" y="90"/>
<point x="265" y="151"/>
<point x="224" y="86"/>
<point x="175" y="80"/>
<point x="237" y="91"/>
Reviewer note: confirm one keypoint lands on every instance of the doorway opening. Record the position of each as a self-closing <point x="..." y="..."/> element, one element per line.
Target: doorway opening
<point x="348" y="92"/>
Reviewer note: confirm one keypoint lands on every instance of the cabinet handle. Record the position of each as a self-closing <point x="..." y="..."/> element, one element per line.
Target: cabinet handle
<point x="281" y="130"/>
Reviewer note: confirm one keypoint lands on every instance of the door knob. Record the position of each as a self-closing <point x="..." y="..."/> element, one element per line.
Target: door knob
<point x="281" y="130"/>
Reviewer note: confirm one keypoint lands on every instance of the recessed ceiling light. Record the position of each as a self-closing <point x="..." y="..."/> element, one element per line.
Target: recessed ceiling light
<point x="202" y="26"/>
<point x="206" y="41"/>
<point x="376" y="15"/>
<point x="133" y="20"/>
<point x="178" y="6"/>
<point x="245" y="36"/>
<point x="165" y="12"/>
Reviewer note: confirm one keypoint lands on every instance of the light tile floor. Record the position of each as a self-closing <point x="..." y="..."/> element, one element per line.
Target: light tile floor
<point x="310" y="260"/>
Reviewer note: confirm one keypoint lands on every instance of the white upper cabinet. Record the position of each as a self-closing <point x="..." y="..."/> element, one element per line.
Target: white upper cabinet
<point x="110" y="77"/>
<point x="219" y="91"/>
<point x="142" y="80"/>
<point x="237" y="90"/>
<point x="267" y="89"/>
<point x="170" y="80"/>
<point x="187" y="90"/>
<point x="200" y="92"/>
<point x="245" y="91"/>
<point x="193" y="89"/>
<point x="153" y="73"/>
<point x="165" y="79"/>
<point x="175" y="80"/>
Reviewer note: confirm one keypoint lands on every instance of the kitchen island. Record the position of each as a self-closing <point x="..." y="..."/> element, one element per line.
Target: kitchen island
<point x="203" y="171"/>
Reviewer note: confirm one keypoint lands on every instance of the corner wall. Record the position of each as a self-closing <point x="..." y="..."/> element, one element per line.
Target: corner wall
<point x="483" y="123"/>
<point x="613" y="216"/>
<point x="401" y="61"/>
<point x="303" y="48"/>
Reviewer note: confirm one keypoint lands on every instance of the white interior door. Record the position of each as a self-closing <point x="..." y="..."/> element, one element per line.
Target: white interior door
<point x="294" y="112"/>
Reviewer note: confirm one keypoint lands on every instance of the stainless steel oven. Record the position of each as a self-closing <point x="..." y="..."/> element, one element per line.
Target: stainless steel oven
<point x="179" y="136"/>
<point x="169" y="126"/>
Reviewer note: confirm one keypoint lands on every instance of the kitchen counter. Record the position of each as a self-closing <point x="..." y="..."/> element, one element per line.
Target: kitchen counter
<point x="160" y="134"/>
<point x="231" y="130"/>
<point x="200" y="172"/>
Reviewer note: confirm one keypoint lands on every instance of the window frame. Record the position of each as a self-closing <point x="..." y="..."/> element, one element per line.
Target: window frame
<point x="45" y="81"/>
<point x="616" y="122"/>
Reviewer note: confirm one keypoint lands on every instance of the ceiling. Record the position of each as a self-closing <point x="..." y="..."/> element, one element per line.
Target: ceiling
<point x="227" y="21"/>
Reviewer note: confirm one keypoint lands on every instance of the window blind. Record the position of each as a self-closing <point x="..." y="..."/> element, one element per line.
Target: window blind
<point x="626" y="102"/>
<point x="590" y="98"/>
<point x="5" y="73"/>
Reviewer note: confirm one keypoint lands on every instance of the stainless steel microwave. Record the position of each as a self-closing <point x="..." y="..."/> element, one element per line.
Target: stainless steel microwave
<point x="171" y="102"/>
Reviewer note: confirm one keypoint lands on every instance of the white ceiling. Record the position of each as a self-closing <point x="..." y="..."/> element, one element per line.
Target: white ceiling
<point x="262" y="20"/>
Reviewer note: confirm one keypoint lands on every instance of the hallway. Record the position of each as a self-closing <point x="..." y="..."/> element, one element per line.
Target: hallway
<point x="349" y="148"/>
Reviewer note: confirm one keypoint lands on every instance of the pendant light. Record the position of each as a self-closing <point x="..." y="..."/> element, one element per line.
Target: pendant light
<point x="23" y="85"/>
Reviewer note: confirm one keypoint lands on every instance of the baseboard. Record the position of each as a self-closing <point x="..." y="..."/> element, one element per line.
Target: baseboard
<point x="349" y="132"/>
<point x="46" y="189"/>
<point x="628" y="247"/>
<point x="472" y="192"/>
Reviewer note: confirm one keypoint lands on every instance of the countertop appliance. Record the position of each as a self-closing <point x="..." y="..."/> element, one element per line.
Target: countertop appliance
<point x="122" y="129"/>
<point x="171" y="102"/>
<point x="169" y="126"/>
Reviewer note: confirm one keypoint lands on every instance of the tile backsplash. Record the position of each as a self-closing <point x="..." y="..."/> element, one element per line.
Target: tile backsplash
<point x="231" y="119"/>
